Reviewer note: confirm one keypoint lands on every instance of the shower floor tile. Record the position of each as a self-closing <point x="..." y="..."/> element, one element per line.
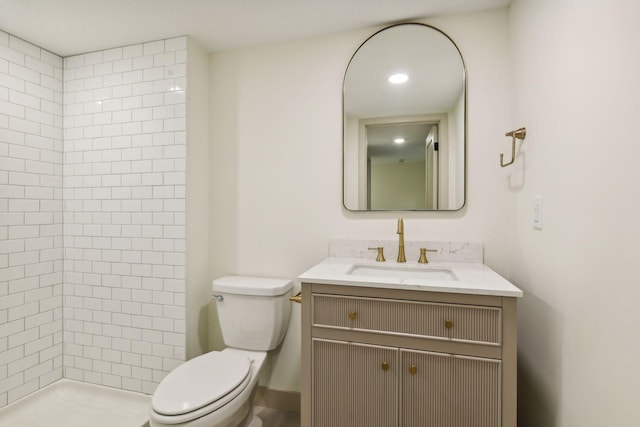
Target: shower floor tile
<point x="75" y="404"/>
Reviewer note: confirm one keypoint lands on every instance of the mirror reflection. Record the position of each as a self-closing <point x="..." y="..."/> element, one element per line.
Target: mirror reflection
<point x="404" y="122"/>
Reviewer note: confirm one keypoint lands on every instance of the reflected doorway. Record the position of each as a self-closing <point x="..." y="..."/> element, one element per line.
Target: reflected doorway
<point x="402" y="166"/>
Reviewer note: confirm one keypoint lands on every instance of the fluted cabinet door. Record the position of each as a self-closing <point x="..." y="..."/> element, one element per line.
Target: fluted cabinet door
<point x="441" y="390"/>
<point x="354" y="385"/>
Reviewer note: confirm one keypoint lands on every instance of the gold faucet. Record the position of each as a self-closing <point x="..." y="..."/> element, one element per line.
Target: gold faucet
<point x="400" y="232"/>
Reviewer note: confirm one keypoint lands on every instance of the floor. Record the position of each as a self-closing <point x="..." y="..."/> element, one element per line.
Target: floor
<point x="275" y="418"/>
<point x="75" y="404"/>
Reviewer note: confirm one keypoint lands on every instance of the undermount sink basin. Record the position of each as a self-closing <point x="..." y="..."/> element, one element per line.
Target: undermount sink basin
<point x="402" y="273"/>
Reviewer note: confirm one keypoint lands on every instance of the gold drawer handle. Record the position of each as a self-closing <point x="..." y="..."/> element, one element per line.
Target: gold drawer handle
<point x="385" y="366"/>
<point x="352" y="315"/>
<point x="413" y="370"/>
<point x="448" y="324"/>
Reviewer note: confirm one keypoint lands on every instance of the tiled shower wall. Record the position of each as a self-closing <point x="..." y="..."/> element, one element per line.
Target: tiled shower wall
<point x="117" y="183"/>
<point x="124" y="214"/>
<point x="30" y="218"/>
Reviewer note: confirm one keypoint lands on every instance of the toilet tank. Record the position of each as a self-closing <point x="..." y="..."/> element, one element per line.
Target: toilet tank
<point x="253" y="311"/>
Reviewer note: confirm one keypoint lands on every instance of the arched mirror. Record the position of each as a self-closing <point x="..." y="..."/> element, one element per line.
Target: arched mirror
<point x="404" y="107"/>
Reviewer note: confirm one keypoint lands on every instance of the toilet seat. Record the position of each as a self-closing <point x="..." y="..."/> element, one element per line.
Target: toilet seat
<point x="200" y="386"/>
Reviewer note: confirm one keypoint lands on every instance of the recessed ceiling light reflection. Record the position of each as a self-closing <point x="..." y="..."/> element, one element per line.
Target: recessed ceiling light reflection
<point x="399" y="140"/>
<point x="398" y="78"/>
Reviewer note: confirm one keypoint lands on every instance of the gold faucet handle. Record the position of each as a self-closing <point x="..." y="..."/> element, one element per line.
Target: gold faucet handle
<point x="380" y="257"/>
<point x="423" y="255"/>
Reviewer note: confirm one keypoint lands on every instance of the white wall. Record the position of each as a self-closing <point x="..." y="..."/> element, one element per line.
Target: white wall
<point x="198" y="204"/>
<point x="576" y="66"/>
<point x="30" y="218"/>
<point x="456" y="152"/>
<point x="277" y="160"/>
<point x="352" y="173"/>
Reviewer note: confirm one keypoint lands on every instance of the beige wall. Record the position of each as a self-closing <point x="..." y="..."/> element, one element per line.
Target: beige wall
<point x="398" y="184"/>
<point x="576" y="66"/>
<point x="276" y="159"/>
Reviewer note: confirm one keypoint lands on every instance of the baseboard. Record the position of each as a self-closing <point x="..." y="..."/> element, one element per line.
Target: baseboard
<point x="275" y="399"/>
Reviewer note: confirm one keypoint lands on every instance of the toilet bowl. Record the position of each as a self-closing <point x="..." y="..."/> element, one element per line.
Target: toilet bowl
<point x="185" y="397"/>
<point x="216" y="389"/>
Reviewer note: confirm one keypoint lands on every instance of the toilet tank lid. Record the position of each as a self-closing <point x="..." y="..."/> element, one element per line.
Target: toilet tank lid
<point x="245" y="285"/>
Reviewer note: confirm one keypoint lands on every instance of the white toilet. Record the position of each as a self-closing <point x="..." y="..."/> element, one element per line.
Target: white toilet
<point x="216" y="389"/>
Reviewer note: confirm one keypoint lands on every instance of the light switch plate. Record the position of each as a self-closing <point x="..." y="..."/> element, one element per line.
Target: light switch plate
<point x="537" y="213"/>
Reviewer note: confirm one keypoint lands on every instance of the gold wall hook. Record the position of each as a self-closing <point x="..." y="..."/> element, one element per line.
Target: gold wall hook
<point x="514" y="134"/>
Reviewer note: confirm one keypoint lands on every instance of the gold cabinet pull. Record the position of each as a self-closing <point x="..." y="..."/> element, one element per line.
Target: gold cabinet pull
<point x="413" y="370"/>
<point x="385" y="366"/>
<point x="352" y="315"/>
<point x="448" y="324"/>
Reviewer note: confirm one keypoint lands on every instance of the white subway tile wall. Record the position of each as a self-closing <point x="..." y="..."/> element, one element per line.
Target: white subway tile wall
<point x="31" y="240"/>
<point x="124" y="214"/>
<point x="118" y="185"/>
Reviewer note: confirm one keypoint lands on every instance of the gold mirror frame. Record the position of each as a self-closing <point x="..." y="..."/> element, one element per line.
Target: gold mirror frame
<point x="358" y="197"/>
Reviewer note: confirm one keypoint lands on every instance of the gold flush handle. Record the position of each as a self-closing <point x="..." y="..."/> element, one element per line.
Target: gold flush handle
<point x="352" y="315"/>
<point x="297" y="298"/>
<point x="448" y="324"/>
<point x="385" y="366"/>
<point x="413" y="370"/>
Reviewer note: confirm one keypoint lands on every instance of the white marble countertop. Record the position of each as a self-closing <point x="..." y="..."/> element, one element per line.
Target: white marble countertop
<point x="470" y="277"/>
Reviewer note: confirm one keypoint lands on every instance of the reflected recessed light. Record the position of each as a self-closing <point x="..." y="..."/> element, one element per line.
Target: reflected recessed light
<point x="399" y="140"/>
<point x="398" y="78"/>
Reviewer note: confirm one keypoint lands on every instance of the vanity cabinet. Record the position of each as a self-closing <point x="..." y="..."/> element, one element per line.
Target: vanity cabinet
<point x="382" y="357"/>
